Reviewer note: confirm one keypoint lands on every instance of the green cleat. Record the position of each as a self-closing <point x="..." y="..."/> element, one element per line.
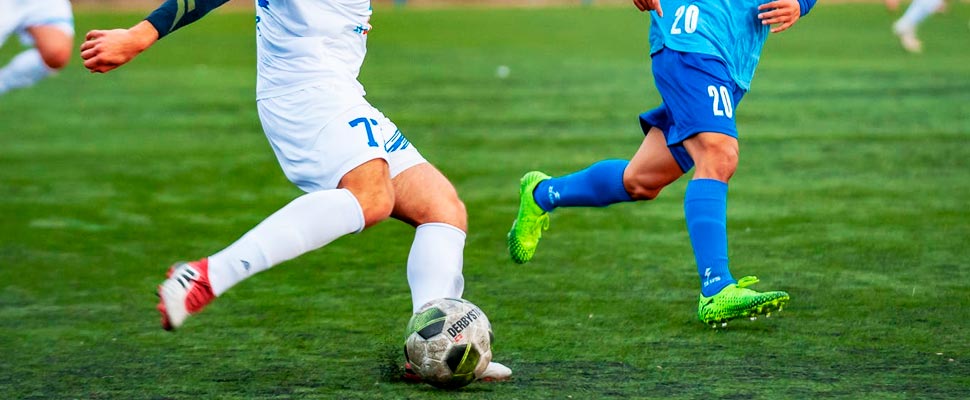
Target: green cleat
<point x="737" y="301"/>
<point x="531" y="221"/>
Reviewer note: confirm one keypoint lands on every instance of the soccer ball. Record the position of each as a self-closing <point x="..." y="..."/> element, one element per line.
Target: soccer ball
<point x="449" y="343"/>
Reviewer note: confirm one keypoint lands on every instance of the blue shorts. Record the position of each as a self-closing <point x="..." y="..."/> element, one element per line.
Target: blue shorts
<point x="698" y="96"/>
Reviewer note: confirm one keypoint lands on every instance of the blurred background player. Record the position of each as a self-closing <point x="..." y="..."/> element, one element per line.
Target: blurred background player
<point x="47" y="27"/>
<point x="906" y="26"/>
<point x="704" y="54"/>
<point x="356" y="167"/>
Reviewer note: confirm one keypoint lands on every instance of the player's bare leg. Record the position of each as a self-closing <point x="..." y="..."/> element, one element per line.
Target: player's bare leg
<point x="423" y="195"/>
<point x="371" y="184"/>
<point x="716" y="155"/>
<point x="364" y="197"/>
<point x="428" y="201"/>
<point x="651" y="169"/>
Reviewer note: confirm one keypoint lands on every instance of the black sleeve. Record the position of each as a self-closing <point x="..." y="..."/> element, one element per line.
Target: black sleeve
<point x="174" y="14"/>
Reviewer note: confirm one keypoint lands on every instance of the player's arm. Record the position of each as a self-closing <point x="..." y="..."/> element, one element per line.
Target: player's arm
<point x="784" y="13"/>
<point x="105" y="50"/>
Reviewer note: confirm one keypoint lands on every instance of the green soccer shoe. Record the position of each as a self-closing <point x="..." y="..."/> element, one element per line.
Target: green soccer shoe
<point x="527" y="228"/>
<point x="737" y="301"/>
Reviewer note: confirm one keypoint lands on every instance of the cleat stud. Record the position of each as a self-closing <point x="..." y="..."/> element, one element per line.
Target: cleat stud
<point x="754" y="318"/>
<point x="768" y="315"/>
<point x="723" y="324"/>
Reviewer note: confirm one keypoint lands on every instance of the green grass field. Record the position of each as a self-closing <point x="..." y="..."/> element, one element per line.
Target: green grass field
<point x="852" y="194"/>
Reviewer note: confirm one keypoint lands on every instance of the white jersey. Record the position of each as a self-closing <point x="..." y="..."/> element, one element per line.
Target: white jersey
<point x="307" y="43"/>
<point x="18" y="15"/>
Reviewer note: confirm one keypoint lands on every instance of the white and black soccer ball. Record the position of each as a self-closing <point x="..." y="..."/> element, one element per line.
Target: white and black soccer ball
<point x="449" y="343"/>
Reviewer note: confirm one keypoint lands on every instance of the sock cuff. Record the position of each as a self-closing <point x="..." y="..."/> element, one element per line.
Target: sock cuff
<point x="617" y="188"/>
<point x="359" y="212"/>
<point x="706" y="189"/>
<point x="442" y="225"/>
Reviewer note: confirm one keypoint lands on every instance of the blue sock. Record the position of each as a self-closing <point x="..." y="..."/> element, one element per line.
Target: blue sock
<point x="705" y="208"/>
<point x="599" y="185"/>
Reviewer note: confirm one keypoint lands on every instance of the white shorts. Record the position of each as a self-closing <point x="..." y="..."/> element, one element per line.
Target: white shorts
<point x="18" y="15"/>
<point x="318" y="136"/>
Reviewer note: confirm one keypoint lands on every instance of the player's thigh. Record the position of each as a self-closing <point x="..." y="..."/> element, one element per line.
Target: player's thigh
<point x="716" y="155"/>
<point x="423" y="195"/>
<point x="370" y="184"/>
<point x="652" y="168"/>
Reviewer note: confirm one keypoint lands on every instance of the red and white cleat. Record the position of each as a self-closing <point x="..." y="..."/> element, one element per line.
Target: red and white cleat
<point x="185" y="292"/>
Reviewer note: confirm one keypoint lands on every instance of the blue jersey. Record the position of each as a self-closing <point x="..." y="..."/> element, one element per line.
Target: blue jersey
<point x="729" y="30"/>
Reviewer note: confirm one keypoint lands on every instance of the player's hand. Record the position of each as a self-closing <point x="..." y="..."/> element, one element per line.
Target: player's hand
<point x="780" y="13"/>
<point x="649" y="5"/>
<point x="103" y="51"/>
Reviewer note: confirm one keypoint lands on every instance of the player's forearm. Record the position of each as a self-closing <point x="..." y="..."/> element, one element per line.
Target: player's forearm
<point x="174" y="14"/>
<point x="806" y="6"/>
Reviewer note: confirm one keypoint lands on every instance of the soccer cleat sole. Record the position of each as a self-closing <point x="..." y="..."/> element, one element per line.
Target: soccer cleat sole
<point x="166" y="322"/>
<point x="519" y="252"/>
<point x="167" y="305"/>
<point x="775" y="305"/>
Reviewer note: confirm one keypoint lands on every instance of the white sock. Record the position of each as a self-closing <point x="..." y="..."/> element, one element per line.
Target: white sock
<point x="917" y="11"/>
<point x="305" y="224"/>
<point x="24" y="70"/>
<point x="435" y="263"/>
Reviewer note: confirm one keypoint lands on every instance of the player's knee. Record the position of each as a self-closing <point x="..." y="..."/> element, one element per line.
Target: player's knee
<point x="376" y="206"/>
<point x="457" y="214"/>
<point x="720" y="162"/>
<point x="640" y="191"/>
<point x="641" y="186"/>
<point x="448" y="209"/>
